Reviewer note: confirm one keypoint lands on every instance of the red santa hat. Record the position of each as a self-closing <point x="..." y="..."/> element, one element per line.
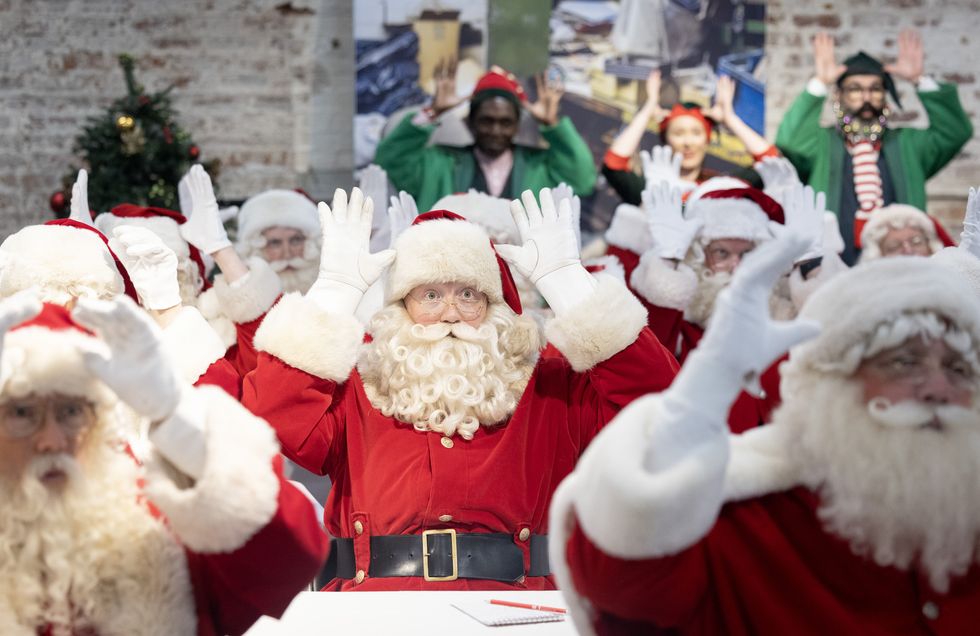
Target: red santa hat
<point x="285" y="208"/>
<point x="43" y="356"/>
<point x="64" y="258"/>
<point x="895" y="217"/>
<point x="162" y="222"/>
<point x="489" y="212"/>
<point x="730" y="208"/>
<point x="443" y="247"/>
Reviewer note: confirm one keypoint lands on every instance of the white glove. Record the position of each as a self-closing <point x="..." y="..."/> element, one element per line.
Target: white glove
<point x="401" y="214"/>
<point x="16" y="309"/>
<point x="778" y="177"/>
<point x="132" y="363"/>
<point x="150" y="263"/>
<point x="80" y="210"/>
<point x="664" y="165"/>
<point x="672" y="233"/>
<point x="373" y="182"/>
<point x="970" y="238"/>
<point x="804" y="213"/>
<point x="347" y="267"/>
<point x="561" y="192"/>
<point x="203" y="229"/>
<point x="549" y="255"/>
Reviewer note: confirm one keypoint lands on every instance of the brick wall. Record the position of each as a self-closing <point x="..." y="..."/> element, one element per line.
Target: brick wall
<point x="951" y="52"/>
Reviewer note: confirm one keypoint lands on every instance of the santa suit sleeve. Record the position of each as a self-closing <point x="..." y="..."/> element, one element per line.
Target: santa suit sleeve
<point x="253" y="540"/>
<point x="299" y="382"/>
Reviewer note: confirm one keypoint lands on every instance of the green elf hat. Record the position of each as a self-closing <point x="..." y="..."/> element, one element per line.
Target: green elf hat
<point x="863" y="64"/>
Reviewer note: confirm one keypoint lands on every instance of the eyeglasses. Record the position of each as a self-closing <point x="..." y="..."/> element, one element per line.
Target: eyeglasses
<point x="23" y="418"/>
<point x="853" y="90"/>
<point x="893" y="246"/>
<point x="911" y="367"/>
<point x="468" y="302"/>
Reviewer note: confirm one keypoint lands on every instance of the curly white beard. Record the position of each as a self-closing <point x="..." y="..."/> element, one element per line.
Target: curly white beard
<point x="711" y="284"/>
<point x="189" y="281"/>
<point x="449" y="378"/>
<point x="296" y="274"/>
<point x="901" y="496"/>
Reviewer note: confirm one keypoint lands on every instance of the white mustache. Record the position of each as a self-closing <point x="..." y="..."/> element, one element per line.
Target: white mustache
<point x="296" y="263"/>
<point x="914" y="414"/>
<point x="461" y="330"/>
<point x="43" y="464"/>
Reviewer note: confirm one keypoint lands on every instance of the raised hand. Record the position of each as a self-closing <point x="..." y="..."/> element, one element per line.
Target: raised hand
<point x="550" y="92"/>
<point x="970" y="238"/>
<point x="444" y="76"/>
<point x="401" y="214"/>
<point x="79" y="199"/>
<point x="663" y="165"/>
<point x="804" y="212"/>
<point x="150" y="263"/>
<point x="17" y="308"/>
<point x="911" y="57"/>
<point x="825" y="65"/>
<point x="373" y="182"/>
<point x="561" y="192"/>
<point x="724" y="107"/>
<point x="653" y="90"/>
<point x="779" y="176"/>
<point x="203" y="228"/>
<point x="672" y="234"/>
<point x="546" y="232"/>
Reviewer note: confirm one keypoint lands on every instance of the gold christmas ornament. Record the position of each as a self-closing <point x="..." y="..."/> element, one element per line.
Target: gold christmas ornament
<point x="124" y="123"/>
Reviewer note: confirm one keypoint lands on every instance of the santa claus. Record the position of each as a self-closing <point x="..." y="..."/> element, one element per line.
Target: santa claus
<point x="900" y="229"/>
<point x="446" y="433"/>
<point x="850" y="513"/>
<point x="204" y="539"/>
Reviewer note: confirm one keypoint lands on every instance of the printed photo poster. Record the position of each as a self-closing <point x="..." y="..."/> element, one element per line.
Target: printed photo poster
<point x="605" y="50"/>
<point x="399" y="43"/>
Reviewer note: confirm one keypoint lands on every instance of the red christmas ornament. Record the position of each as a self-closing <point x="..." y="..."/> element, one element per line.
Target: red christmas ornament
<point x="168" y="136"/>
<point x="194" y="152"/>
<point x="58" y="202"/>
<point x="143" y="100"/>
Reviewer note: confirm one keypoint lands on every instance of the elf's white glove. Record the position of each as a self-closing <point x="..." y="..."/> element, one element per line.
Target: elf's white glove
<point x="740" y="343"/>
<point x="80" y="210"/>
<point x="561" y="192"/>
<point x="778" y="177"/>
<point x="203" y="228"/>
<point x="549" y="255"/>
<point x="131" y="361"/>
<point x="672" y="233"/>
<point x="373" y="182"/>
<point x="402" y="211"/>
<point x="663" y="165"/>
<point x="16" y="309"/>
<point x="970" y="238"/>
<point x="804" y="210"/>
<point x="347" y="267"/>
<point x="150" y="263"/>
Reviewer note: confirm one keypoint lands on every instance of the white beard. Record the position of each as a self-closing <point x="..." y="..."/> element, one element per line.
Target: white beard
<point x="901" y="495"/>
<point x="189" y="281"/>
<point x="710" y="284"/>
<point x="91" y="556"/>
<point x="449" y="378"/>
<point x="300" y="276"/>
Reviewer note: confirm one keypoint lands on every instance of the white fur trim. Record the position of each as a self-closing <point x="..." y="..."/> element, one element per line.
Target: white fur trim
<point x="55" y="258"/>
<point x="164" y="227"/>
<point x="599" y="327"/>
<point x="489" y="212"/>
<point x="963" y="262"/>
<point x="277" y="208"/>
<point x="192" y="344"/>
<point x="210" y="307"/>
<point x="713" y="185"/>
<point x="443" y="251"/>
<point x="629" y="229"/>
<point x="662" y="285"/>
<point x="301" y="334"/>
<point x="758" y="464"/>
<point x="250" y="296"/>
<point x="895" y="217"/>
<point x="560" y="521"/>
<point x="730" y="218"/>
<point x="239" y="491"/>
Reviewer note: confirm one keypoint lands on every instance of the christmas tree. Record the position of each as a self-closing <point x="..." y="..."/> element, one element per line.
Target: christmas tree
<point x="135" y="152"/>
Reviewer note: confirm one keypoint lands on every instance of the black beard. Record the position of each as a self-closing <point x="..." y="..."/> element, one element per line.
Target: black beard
<point x="856" y="128"/>
<point x="859" y="113"/>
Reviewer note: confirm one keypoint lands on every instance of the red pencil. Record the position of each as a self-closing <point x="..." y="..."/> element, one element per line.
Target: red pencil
<point x="542" y="608"/>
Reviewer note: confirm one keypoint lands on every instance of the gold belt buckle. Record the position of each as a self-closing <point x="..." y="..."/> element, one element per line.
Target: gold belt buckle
<point x="425" y="556"/>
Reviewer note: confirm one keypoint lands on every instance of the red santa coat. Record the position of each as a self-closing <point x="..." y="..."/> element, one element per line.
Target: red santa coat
<point x="767" y="567"/>
<point x="395" y="480"/>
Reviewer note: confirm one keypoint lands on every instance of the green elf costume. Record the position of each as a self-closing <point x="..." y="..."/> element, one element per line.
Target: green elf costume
<point x="896" y="161"/>
<point x="432" y="172"/>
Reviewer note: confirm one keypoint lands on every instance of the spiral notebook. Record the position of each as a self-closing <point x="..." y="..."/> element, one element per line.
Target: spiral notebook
<point x="499" y="615"/>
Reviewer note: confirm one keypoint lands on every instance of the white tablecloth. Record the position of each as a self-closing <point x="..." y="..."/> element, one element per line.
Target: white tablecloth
<point x="401" y="614"/>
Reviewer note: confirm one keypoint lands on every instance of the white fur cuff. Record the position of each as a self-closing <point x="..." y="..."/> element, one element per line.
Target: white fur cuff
<point x="599" y="327"/>
<point x="250" y="296"/>
<point x="192" y="344"/>
<point x="304" y="336"/>
<point x="238" y="493"/>
<point x="662" y="285"/>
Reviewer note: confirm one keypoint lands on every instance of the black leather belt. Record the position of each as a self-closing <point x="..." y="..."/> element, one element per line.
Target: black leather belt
<point x="441" y="555"/>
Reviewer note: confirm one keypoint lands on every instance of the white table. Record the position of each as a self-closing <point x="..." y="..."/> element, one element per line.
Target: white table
<point x="402" y="614"/>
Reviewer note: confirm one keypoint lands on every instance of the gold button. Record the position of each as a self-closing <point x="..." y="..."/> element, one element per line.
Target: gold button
<point x="358" y="527"/>
<point x="445" y="518"/>
<point x="448" y="443"/>
<point x="359" y="577"/>
<point x="524" y="534"/>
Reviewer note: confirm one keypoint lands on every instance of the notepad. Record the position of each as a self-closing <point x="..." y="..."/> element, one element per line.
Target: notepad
<point x="498" y="615"/>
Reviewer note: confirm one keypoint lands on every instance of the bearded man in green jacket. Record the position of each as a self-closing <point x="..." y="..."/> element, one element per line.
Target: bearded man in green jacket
<point x="862" y="164"/>
<point x="493" y="163"/>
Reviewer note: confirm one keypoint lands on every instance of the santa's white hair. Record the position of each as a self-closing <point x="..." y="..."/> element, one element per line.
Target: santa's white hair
<point x="891" y="486"/>
<point x="449" y="378"/>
